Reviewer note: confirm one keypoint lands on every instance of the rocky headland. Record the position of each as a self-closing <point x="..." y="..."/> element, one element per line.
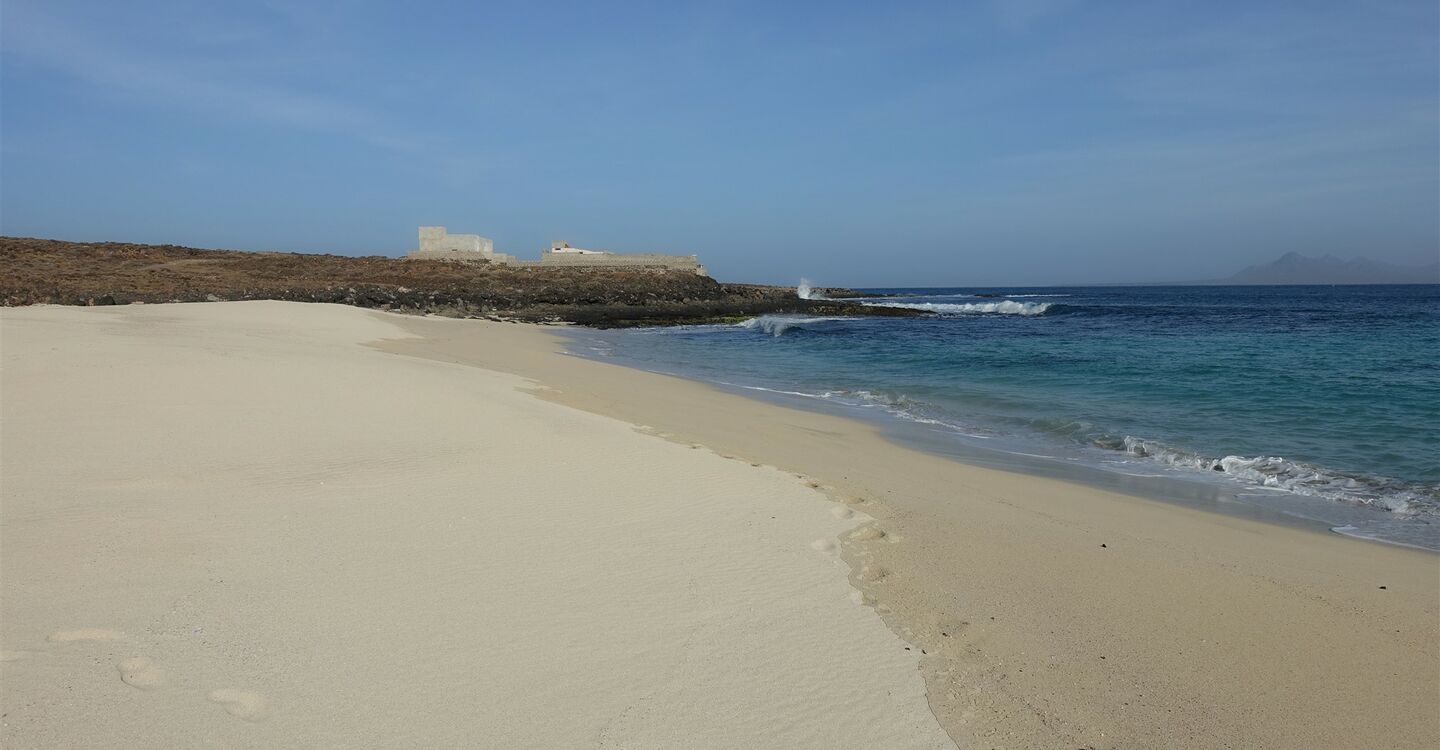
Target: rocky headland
<point x="42" y="271"/>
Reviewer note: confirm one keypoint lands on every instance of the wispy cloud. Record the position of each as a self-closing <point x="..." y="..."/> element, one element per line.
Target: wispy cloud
<point x="219" y="83"/>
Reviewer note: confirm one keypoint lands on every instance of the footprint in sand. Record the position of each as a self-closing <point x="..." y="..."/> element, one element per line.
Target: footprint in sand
<point x="868" y="534"/>
<point x="872" y="574"/>
<point x="140" y="673"/>
<point x="85" y="634"/>
<point x="242" y="704"/>
<point x="841" y="512"/>
<point x="823" y="545"/>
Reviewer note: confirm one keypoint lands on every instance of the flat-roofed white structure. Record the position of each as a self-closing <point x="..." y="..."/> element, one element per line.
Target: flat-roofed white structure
<point x="561" y="254"/>
<point x="564" y="248"/>
<point x="437" y="244"/>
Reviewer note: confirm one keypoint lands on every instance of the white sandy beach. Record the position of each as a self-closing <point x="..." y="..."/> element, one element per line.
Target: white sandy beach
<point x="1056" y="615"/>
<point x="266" y="524"/>
<point x="233" y="525"/>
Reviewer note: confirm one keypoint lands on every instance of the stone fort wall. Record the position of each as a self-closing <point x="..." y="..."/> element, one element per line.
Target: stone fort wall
<point x="578" y="260"/>
<point x="460" y="255"/>
<point x="437" y="244"/>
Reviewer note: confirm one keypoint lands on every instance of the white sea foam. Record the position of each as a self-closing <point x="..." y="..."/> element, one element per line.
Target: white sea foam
<point x="966" y="295"/>
<point x="822" y="396"/>
<point x="1289" y="476"/>
<point x="1003" y="307"/>
<point x="1402" y="532"/>
<point x="1263" y="472"/>
<point x="924" y="296"/>
<point x="777" y="325"/>
<point x="903" y="407"/>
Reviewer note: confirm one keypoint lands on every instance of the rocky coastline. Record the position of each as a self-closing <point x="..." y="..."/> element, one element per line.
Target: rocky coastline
<point x="43" y="271"/>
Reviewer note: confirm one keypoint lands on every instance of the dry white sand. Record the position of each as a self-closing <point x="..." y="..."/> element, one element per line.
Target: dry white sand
<point x="1056" y="615"/>
<point x="233" y="525"/>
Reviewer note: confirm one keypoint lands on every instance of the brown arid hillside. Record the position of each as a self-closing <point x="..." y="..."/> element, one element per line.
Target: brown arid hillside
<point x="40" y="271"/>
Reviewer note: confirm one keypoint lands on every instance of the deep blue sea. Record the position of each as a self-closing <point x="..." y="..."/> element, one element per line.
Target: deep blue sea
<point x="1320" y="403"/>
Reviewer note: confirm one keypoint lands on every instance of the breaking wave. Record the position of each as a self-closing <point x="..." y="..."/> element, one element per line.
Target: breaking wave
<point x="1291" y="476"/>
<point x="777" y="325"/>
<point x="925" y="296"/>
<point x="1380" y="493"/>
<point x="1311" y="402"/>
<point x="1004" y="307"/>
<point x="964" y="295"/>
<point x="895" y="404"/>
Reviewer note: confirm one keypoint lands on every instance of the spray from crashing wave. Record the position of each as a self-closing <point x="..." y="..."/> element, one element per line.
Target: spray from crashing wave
<point x="1004" y="307"/>
<point x="804" y="291"/>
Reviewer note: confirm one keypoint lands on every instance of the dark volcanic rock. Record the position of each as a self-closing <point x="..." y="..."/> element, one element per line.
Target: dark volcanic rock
<point x="38" y="271"/>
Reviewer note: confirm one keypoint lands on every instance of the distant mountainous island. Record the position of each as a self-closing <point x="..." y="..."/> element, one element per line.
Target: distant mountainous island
<point x="1294" y="268"/>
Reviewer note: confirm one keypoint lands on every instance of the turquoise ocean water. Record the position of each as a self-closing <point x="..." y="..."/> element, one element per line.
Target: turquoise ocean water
<point x="1317" y="403"/>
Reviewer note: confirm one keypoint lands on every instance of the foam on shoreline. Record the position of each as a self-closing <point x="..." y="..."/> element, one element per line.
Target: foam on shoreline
<point x="508" y="534"/>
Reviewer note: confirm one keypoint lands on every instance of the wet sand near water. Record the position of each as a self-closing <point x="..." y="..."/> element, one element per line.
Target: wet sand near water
<point x="1051" y="614"/>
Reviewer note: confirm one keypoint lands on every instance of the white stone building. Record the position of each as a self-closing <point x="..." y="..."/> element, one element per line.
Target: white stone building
<point x="437" y="244"/>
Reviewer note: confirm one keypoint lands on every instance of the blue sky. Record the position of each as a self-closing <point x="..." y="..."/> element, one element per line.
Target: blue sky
<point x="960" y="143"/>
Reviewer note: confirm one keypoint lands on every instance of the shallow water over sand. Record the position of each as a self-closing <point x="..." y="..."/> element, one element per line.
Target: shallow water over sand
<point x="1315" y="402"/>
